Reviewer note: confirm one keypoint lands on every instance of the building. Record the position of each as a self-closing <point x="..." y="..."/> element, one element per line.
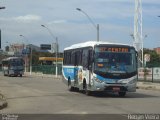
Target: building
<point x="34" y="47"/>
<point x="16" y="49"/>
<point x="157" y="50"/>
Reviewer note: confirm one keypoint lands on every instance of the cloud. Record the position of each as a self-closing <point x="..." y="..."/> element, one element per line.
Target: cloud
<point x="57" y="21"/>
<point x="27" y="18"/>
<point x="115" y="17"/>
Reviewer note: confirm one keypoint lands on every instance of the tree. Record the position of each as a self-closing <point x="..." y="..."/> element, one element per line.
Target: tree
<point x="36" y="55"/>
<point x="154" y="58"/>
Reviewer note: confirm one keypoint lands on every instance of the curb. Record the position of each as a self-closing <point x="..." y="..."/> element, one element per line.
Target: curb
<point x="3" y="102"/>
<point x="42" y="75"/>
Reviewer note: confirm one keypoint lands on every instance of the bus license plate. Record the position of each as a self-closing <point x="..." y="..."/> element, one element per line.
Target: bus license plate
<point x="116" y="89"/>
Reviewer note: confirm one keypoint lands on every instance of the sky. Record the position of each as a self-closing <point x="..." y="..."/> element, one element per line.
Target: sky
<point x="115" y="18"/>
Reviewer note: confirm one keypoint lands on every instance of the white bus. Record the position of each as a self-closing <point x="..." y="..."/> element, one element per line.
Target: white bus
<point x="100" y="66"/>
<point x="13" y="66"/>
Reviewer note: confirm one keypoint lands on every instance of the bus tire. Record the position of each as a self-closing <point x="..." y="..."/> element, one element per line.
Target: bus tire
<point x="70" y="87"/>
<point x="9" y="75"/>
<point x="122" y="94"/>
<point x="87" y="92"/>
<point x="20" y="75"/>
<point x="4" y="73"/>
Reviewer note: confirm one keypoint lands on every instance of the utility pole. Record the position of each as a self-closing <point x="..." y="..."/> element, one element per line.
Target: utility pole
<point x="0" y="29"/>
<point x="0" y="39"/>
<point x="56" y="49"/>
<point x="138" y="35"/>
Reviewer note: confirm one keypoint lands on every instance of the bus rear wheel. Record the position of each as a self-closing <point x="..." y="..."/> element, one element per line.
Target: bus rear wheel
<point x="122" y="94"/>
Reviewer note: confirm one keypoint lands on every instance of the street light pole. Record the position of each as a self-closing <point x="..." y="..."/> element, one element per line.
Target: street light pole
<point x="96" y="26"/>
<point x="56" y="47"/>
<point x="142" y="51"/>
<point x="0" y="29"/>
<point x="30" y="66"/>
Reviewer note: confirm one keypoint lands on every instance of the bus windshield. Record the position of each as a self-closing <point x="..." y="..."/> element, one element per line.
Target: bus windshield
<point x="16" y="62"/>
<point x="115" y="60"/>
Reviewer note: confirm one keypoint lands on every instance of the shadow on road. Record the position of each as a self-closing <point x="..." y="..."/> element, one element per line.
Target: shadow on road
<point x="115" y="95"/>
<point x="128" y="95"/>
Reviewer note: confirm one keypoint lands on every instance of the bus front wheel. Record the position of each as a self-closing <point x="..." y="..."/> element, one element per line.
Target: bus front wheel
<point x="87" y="92"/>
<point x="70" y="87"/>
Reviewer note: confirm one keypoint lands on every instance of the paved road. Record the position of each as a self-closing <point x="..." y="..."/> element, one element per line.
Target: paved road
<point x="44" y="95"/>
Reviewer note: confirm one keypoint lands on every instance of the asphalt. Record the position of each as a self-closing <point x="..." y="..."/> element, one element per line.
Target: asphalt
<point x="140" y="85"/>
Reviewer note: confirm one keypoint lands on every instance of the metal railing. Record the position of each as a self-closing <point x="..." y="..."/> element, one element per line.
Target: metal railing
<point x="47" y="69"/>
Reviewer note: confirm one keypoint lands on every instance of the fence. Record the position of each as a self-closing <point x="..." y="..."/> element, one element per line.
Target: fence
<point x="149" y="74"/>
<point x="47" y="69"/>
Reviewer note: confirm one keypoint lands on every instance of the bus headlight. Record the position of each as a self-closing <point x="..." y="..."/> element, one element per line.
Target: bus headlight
<point x="97" y="80"/>
<point x="132" y="81"/>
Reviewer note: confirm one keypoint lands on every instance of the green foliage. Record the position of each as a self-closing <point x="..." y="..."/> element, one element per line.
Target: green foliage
<point x="36" y="55"/>
<point x="154" y="58"/>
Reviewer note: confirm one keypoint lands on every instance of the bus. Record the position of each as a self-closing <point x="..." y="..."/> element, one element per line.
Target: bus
<point x="100" y="66"/>
<point x="13" y="66"/>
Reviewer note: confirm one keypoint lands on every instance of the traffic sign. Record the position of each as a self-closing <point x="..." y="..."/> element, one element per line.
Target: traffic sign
<point x="147" y="57"/>
<point x="45" y="46"/>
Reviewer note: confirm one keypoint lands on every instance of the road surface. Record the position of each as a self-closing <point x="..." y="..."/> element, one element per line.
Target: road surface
<point x="47" y="95"/>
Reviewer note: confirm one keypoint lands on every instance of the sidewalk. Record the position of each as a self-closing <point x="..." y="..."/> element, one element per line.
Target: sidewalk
<point x="148" y="86"/>
<point x="42" y="75"/>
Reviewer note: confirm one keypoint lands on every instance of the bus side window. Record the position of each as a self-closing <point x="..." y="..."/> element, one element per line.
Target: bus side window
<point x="73" y="62"/>
<point x="79" y="57"/>
<point x="85" y="58"/>
<point x="90" y="59"/>
<point x="67" y="58"/>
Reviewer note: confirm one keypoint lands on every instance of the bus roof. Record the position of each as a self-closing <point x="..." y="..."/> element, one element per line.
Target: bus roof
<point x="50" y="59"/>
<point x="92" y="44"/>
<point x="9" y="58"/>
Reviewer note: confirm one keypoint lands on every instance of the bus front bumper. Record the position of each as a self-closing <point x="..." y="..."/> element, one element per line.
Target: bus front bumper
<point x="114" y="87"/>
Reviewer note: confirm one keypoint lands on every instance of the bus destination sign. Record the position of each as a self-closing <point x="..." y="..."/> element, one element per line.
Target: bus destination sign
<point x="114" y="49"/>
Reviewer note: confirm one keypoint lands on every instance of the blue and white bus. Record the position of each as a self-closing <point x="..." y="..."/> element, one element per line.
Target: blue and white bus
<point x="100" y="66"/>
<point x="13" y="66"/>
